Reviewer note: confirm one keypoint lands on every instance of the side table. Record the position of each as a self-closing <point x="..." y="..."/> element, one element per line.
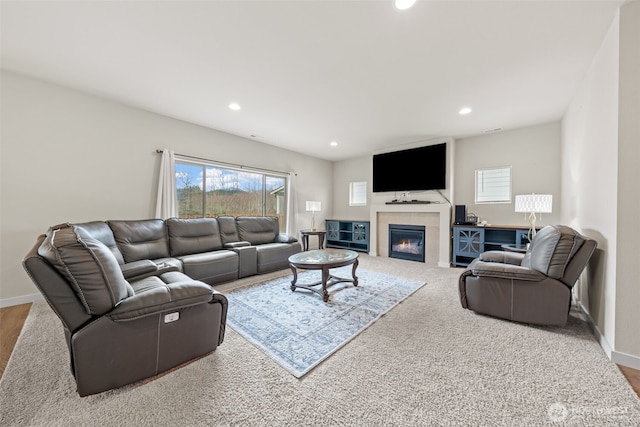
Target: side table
<point x="305" y="238"/>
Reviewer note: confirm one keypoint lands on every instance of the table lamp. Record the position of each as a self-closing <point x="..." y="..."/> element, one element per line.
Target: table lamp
<point x="532" y="204"/>
<point x="313" y="206"/>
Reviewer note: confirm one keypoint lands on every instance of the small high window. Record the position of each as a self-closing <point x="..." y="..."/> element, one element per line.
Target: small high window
<point x="493" y="185"/>
<point x="358" y="193"/>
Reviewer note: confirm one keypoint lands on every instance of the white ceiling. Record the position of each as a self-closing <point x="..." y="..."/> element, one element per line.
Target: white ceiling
<point x="309" y="72"/>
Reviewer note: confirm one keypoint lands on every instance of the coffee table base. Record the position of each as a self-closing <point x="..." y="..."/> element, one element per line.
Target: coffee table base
<point x="327" y="280"/>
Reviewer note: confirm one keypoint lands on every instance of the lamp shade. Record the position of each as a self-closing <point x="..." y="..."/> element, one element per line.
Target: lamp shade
<point x="313" y="206"/>
<point x="534" y="203"/>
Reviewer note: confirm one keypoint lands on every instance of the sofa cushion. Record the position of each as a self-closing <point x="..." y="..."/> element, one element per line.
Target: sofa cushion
<point x="141" y="239"/>
<point x="89" y="265"/>
<point x="193" y="236"/>
<point x="228" y="229"/>
<point x="552" y="249"/>
<point x="258" y="230"/>
<point x="211" y="267"/>
<point x="156" y="294"/>
<point x="100" y="230"/>
<point x="275" y="256"/>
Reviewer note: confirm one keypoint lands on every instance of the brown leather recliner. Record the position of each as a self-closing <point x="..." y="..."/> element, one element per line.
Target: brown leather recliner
<point x="121" y="330"/>
<point x="534" y="287"/>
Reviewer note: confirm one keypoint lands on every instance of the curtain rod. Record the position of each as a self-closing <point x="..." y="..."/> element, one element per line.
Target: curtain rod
<point x="226" y="163"/>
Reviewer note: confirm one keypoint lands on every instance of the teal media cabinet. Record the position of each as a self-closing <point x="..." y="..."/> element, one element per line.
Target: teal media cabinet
<point x="352" y="235"/>
<point x="469" y="241"/>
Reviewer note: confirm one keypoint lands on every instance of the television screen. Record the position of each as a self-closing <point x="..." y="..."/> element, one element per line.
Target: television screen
<point x="415" y="169"/>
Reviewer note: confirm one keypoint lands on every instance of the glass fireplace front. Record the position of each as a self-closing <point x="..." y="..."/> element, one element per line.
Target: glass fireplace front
<point x="407" y="242"/>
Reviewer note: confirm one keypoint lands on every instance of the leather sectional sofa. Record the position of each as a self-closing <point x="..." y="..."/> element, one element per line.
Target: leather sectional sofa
<point x="136" y="298"/>
<point x="213" y="250"/>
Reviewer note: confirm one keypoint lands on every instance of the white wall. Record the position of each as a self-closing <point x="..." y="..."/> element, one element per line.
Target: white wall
<point x="534" y="156"/>
<point x="589" y="178"/>
<point x="600" y="158"/>
<point x="627" y="339"/>
<point x="533" y="153"/>
<point x="426" y="195"/>
<point x="344" y="172"/>
<point x="72" y="157"/>
<point x="361" y="169"/>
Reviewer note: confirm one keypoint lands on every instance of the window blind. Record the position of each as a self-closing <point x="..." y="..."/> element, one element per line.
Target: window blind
<point x="493" y="185"/>
<point x="358" y="193"/>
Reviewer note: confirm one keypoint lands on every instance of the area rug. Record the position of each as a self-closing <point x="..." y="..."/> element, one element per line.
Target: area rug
<point x="297" y="329"/>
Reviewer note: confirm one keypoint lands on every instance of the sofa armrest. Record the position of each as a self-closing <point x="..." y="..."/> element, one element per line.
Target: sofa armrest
<point x="138" y="270"/>
<point x="504" y="271"/>
<point x="285" y="238"/>
<point x="504" y="257"/>
<point x="134" y="269"/>
<point x="233" y="245"/>
<point x="172" y="296"/>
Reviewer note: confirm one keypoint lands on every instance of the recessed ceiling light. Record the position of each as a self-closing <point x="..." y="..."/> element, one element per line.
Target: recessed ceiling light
<point x="234" y="106"/>
<point x="403" y="4"/>
<point x="464" y="110"/>
<point x="333" y="144"/>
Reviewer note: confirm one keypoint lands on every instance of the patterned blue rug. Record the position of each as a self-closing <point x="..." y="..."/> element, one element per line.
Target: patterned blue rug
<point x="298" y="329"/>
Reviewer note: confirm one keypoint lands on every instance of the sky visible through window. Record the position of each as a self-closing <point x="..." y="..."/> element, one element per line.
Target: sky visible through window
<point x="188" y="175"/>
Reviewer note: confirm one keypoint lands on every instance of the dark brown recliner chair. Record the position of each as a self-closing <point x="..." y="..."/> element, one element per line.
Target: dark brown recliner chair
<point x="534" y="287"/>
<point x="118" y="331"/>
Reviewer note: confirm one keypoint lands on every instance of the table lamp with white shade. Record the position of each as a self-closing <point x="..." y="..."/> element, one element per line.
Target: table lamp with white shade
<point x="532" y="204"/>
<point x="313" y="206"/>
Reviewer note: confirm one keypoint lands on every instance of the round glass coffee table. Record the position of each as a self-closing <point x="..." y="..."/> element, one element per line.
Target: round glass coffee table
<point x="323" y="259"/>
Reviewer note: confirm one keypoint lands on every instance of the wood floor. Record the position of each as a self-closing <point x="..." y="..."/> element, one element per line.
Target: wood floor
<point x="12" y="318"/>
<point x="11" y="321"/>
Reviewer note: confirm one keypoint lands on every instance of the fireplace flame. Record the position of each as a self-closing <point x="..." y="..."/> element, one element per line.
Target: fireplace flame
<point x="407" y="246"/>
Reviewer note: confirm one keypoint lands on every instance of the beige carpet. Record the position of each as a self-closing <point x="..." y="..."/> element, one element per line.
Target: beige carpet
<point x="426" y="362"/>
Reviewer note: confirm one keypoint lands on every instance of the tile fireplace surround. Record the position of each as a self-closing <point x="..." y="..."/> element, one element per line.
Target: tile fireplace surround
<point x="436" y="217"/>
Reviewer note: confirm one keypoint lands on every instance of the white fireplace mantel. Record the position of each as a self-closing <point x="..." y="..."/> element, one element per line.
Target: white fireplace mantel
<point x="444" y="211"/>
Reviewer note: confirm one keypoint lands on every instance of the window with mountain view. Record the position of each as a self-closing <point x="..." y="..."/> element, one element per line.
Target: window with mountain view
<point x="209" y="191"/>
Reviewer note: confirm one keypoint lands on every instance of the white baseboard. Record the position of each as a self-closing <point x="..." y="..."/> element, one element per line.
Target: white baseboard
<point x="8" y="302"/>
<point x="616" y="357"/>
<point x="624" y="359"/>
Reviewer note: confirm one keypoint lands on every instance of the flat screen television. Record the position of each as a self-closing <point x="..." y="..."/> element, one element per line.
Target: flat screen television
<point x="415" y="169"/>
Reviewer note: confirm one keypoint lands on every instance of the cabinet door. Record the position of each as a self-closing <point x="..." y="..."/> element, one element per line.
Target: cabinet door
<point x="468" y="242"/>
<point x="360" y="232"/>
<point x="333" y="230"/>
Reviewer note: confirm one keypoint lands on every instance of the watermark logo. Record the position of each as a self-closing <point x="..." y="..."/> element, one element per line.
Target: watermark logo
<point x="559" y="412"/>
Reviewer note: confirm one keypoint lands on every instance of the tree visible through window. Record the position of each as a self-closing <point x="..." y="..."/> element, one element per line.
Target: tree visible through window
<point x="209" y="191"/>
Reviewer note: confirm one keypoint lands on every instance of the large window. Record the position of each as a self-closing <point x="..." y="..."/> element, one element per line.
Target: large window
<point x="209" y="190"/>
